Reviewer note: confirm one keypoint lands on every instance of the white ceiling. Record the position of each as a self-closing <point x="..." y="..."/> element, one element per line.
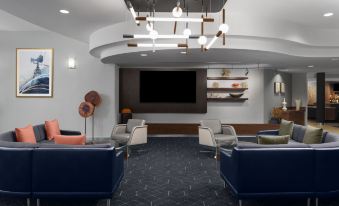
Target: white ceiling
<point x="86" y="15"/>
<point x="9" y="22"/>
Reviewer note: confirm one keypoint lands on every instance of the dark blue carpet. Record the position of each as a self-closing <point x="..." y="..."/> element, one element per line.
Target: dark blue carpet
<point x="171" y="171"/>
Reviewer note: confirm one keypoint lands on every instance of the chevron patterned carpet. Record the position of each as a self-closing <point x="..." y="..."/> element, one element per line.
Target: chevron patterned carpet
<point x="167" y="172"/>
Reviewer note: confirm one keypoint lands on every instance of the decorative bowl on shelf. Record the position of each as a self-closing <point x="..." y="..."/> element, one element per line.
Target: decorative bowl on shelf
<point x="236" y="95"/>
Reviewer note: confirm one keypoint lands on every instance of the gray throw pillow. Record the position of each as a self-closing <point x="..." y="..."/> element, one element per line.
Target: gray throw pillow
<point x="313" y="135"/>
<point x="273" y="139"/>
<point x="286" y="128"/>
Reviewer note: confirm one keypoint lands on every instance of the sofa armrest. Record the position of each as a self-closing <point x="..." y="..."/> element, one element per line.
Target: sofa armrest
<point x="119" y="128"/>
<point x="268" y="132"/>
<point x="228" y="167"/>
<point x="118" y="169"/>
<point x="69" y="132"/>
<point x="206" y="136"/>
<point x="138" y="135"/>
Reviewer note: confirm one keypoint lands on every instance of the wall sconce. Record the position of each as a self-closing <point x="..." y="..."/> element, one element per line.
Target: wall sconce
<point x="71" y="63"/>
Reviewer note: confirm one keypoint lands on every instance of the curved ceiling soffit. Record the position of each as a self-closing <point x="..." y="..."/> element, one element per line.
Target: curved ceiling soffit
<point x="273" y="35"/>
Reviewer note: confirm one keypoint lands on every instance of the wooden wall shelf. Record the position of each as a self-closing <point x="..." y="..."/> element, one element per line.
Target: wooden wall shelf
<point x="226" y="89"/>
<point x="227" y="78"/>
<point x="227" y="99"/>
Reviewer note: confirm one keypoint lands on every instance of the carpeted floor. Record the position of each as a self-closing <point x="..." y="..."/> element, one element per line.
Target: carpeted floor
<point x="171" y="171"/>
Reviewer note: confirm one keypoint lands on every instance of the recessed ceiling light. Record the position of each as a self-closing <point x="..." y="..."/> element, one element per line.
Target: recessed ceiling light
<point x="328" y="14"/>
<point x="183" y="52"/>
<point x="335" y="59"/>
<point x="64" y="11"/>
<point x="310" y="66"/>
<point x="144" y="55"/>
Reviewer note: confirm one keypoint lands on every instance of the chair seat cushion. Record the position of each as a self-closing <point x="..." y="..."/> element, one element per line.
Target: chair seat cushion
<point x="222" y="139"/>
<point x="121" y="138"/>
<point x="70" y="140"/>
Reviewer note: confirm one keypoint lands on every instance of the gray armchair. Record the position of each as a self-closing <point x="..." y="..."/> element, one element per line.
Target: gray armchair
<point x="132" y="133"/>
<point x="213" y="134"/>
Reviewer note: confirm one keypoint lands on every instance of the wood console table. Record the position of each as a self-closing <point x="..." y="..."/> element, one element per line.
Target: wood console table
<point x="297" y="117"/>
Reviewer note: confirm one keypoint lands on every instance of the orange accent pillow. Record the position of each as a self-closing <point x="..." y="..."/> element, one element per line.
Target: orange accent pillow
<point x="71" y="140"/>
<point x="25" y="134"/>
<point x="52" y="129"/>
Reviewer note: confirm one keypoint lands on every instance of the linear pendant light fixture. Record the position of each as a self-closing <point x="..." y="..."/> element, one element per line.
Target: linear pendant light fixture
<point x="177" y="13"/>
<point x="157" y="45"/>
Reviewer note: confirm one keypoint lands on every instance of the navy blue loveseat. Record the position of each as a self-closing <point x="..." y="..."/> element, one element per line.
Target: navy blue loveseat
<point x="47" y="170"/>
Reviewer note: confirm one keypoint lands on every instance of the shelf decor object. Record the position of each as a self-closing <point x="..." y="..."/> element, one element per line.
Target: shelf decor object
<point x="34" y="72"/>
<point x="233" y="93"/>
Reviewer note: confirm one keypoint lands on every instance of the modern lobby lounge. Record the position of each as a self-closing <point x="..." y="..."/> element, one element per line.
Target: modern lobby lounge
<point x="161" y="103"/>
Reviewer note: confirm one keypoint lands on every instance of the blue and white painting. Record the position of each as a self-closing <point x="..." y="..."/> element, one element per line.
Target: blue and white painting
<point x="34" y="73"/>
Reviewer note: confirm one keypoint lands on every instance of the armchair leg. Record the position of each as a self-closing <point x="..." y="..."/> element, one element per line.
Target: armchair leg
<point x="108" y="202"/>
<point x="38" y="202"/>
<point x="240" y="202"/>
<point x="316" y="201"/>
<point x="28" y="200"/>
<point x="308" y="201"/>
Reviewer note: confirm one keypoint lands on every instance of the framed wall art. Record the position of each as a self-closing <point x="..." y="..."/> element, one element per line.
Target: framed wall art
<point x="34" y="72"/>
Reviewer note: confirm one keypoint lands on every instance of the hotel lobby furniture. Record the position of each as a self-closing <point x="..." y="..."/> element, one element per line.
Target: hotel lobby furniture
<point x="48" y="170"/>
<point x="132" y="133"/>
<point x="331" y="112"/>
<point x="39" y="132"/>
<point x="291" y="114"/>
<point x="213" y="134"/>
<point x="273" y="168"/>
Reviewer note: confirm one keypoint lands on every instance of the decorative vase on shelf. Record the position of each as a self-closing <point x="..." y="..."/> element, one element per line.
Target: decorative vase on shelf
<point x="297" y="104"/>
<point x="284" y="104"/>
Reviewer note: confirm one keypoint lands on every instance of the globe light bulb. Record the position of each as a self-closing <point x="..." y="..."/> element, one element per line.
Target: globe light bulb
<point x="202" y="40"/>
<point x="224" y="28"/>
<point x="187" y="32"/>
<point x="153" y="34"/>
<point x="177" y="12"/>
<point x="149" y="26"/>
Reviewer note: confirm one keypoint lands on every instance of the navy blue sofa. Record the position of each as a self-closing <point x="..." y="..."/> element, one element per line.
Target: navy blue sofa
<point x="46" y="170"/>
<point x="293" y="170"/>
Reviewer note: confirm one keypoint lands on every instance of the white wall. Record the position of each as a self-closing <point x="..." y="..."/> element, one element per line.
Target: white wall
<point x="270" y="98"/>
<point x="251" y="111"/>
<point x="299" y="84"/>
<point x="70" y="86"/>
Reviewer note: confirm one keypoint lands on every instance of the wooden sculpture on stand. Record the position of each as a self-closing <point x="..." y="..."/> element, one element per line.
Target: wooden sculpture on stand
<point x="87" y="108"/>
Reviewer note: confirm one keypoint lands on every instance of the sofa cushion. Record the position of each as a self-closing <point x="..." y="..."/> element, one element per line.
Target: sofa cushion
<point x="313" y="135"/>
<point x="8" y="136"/>
<point x="70" y="140"/>
<point x="25" y="134"/>
<point x="250" y="145"/>
<point x="131" y="123"/>
<point x="331" y="137"/>
<point x="17" y="145"/>
<point x="273" y="139"/>
<point x="41" y="145"/>
<point x="213" y="124"/>
<point x="52" y="129"/>
<point x="298" y="133"/>
<point x="286" y="128"/>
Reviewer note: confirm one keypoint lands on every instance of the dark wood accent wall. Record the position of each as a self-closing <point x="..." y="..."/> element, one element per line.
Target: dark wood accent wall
<point x="192" y="129"/>
<point x="129" y="94"/>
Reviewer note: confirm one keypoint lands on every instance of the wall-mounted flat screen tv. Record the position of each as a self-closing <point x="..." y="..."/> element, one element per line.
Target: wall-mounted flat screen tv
<point x="168" y="86"/>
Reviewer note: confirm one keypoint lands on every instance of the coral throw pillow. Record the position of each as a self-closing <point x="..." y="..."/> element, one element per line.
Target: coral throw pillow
<point x="52" y="129"/>
<point x="70" y="140"/>
<point x="25" y="134"/>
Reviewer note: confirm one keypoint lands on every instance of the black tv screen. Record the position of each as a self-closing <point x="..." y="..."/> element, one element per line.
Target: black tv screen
<point x="336" y="87"/>
<point x="168" y="86"/>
